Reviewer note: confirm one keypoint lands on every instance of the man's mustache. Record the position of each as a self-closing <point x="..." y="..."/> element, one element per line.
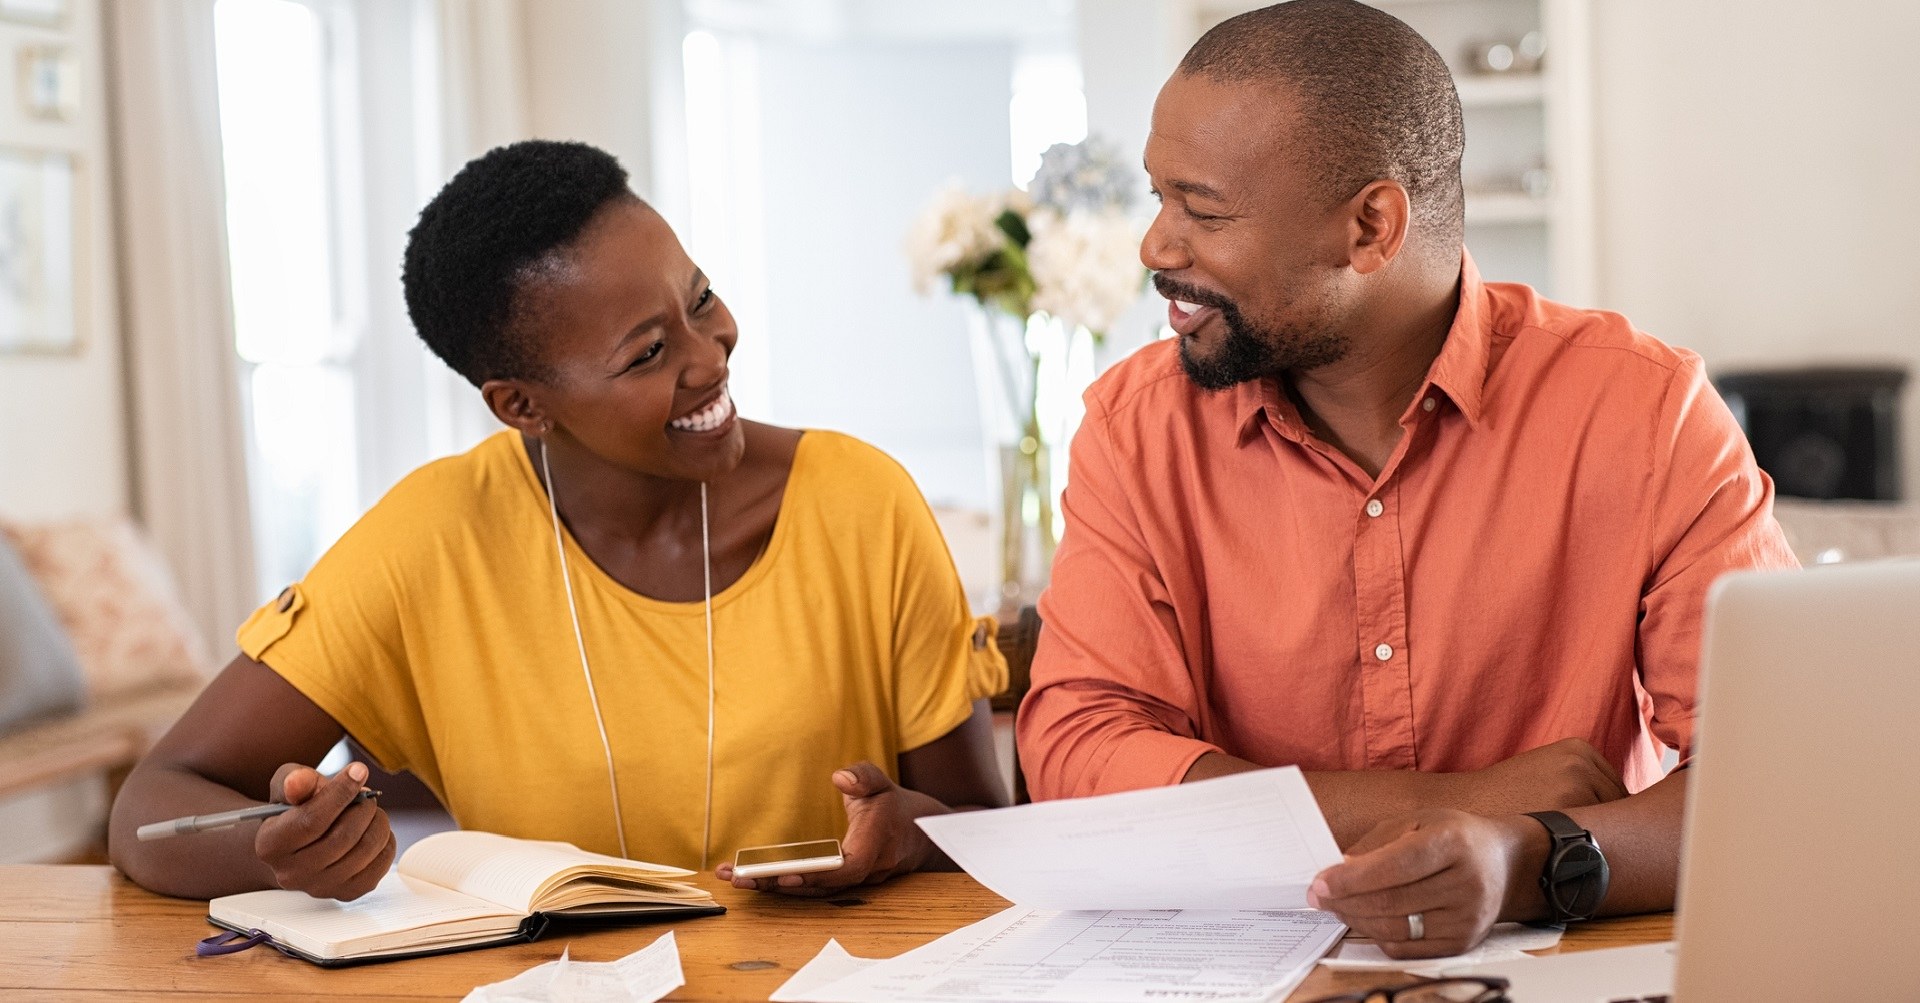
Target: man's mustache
<point x="1175" y="290"/>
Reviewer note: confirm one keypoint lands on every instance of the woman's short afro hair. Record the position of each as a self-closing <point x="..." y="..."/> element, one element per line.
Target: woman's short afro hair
<point x="467" y="256"/>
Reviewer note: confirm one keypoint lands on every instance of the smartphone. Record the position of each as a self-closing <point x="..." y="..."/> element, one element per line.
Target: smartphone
<point x="787" y="858"/>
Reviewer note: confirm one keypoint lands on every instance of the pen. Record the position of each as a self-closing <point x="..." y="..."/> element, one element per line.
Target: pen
<point x="222" y="819"/>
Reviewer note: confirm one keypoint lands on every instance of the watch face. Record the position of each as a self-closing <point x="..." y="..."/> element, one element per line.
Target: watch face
<point x="1578" y="880"/>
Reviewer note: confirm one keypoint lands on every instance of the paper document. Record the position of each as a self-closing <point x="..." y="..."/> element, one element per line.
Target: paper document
<point x="1505" y="942"/>
<point x="832" y="964"/>
<point x="1080" y="957"/>
<point x="1195" y="892"/>
<point x="644" y="976"/>
<point x="1249" y="841"/>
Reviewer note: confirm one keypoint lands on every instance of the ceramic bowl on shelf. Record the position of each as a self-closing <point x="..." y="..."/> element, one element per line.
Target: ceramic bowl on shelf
<point x="1508" y="55"/>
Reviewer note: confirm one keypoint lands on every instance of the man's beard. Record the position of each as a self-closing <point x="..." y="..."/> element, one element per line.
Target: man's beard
<point x="1250" y="350"/>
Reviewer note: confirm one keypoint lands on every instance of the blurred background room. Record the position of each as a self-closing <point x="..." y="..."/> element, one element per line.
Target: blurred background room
<point x="207" y="372"/>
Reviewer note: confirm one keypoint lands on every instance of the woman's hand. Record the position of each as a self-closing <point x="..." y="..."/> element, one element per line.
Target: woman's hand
<point x="1458" y="872"/>
<point x="330" y="846"/>
<point x="882" y="840"/>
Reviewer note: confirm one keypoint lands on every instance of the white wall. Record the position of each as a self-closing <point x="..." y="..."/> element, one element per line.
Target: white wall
<point x="1128" y="48"/>
<point x="1757" y="180"/>
<point x="62" y="418"/>
<point x="857" y="137"/>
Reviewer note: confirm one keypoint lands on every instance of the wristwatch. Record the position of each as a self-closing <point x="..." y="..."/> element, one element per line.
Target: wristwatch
<point x="1575" y="878"/>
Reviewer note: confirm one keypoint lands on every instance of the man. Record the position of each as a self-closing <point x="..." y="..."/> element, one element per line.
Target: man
<point x="1441" y="543"/>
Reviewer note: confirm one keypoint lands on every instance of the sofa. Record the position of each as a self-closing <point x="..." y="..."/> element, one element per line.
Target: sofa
<point x="1828" y="532"/>
<point x="97" y="658"/>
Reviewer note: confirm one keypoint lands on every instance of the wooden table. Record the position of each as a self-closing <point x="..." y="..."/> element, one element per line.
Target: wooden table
<point x="85" y="933"/>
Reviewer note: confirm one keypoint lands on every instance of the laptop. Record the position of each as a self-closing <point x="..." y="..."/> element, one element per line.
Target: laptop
<point x="1800" y="878"/>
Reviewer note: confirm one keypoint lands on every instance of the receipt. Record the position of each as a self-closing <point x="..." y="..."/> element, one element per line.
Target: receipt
<point x="644" y="976"/>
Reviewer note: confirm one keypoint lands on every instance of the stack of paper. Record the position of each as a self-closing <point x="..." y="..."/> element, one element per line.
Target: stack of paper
<point x="1505" y="942"/>
<point x="1196" y="892"/>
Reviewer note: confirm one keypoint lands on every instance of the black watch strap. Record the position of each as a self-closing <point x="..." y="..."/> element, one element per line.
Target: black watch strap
<point x="1576" y="876"/>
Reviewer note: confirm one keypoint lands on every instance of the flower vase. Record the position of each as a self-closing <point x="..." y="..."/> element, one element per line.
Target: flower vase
<point x="1027" y="533"/>
<point x="1007" y="368"/>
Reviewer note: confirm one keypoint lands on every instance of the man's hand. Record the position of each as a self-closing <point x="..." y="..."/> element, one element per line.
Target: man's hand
<point x="1567" y="774"/>
<point x="330" y="846"/>
<point x="1457" y="871"/>
<point x="881" y="840"/>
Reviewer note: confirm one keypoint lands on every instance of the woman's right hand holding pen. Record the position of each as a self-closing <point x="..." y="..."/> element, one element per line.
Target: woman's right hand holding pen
<point x="330" y="845"/>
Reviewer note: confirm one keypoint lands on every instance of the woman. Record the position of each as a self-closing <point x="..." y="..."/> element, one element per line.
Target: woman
<point x="631" y="621"/>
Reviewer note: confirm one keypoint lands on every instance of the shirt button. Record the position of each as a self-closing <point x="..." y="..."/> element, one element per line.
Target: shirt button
<point x="1429" y="404"/>
<point x="1383" y="652"/>
<point x="1374" y="508"/>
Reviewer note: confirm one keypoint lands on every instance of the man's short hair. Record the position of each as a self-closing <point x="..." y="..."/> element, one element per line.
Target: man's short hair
<point x="1376" y="101"/>
<point x="472" y="250"/>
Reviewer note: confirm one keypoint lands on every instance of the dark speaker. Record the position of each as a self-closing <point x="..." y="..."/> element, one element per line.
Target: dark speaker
<point x="1822" y="432"/>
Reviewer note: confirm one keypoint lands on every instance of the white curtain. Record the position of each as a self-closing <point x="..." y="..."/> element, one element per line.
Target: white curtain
<point x="187" y="435"/>
<point x="479" y="91"/>
<point x="482" y="78"/>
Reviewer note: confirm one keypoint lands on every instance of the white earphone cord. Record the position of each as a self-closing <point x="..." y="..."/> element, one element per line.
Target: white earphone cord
<point x="593" y="697"/>
<point x="706" y="563"/>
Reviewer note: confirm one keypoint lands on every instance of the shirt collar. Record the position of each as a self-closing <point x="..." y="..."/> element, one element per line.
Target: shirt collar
<point x="1459" y="371"/>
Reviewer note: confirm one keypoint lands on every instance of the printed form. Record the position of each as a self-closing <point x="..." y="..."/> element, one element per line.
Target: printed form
<point x="1086" y="956"/>
<point x="1192" y="892"/>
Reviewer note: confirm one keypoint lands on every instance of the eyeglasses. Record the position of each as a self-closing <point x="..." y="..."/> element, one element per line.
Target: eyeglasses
<point x="1488" y="989"/>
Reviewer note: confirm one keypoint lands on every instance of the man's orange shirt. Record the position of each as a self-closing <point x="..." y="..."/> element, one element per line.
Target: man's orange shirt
<point x="1530" y="565"/>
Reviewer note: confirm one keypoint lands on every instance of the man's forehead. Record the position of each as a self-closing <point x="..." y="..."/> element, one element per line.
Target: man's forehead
<point x="1209" y="133"/>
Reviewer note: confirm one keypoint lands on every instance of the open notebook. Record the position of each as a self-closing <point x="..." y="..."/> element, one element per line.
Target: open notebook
<point x="458" y="890"/>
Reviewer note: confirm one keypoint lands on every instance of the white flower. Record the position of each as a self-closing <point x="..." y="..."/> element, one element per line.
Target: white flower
<point x="956" y="229"/>
<point x="1086" y="266"/>
<point x="1012" y="198"/>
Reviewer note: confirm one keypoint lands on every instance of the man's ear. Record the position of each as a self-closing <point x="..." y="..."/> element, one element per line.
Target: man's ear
<point x="1380" y="216"/>
<point x="514" y="402"/>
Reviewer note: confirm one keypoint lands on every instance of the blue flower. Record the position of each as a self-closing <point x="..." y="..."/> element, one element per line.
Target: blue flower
<point x="1087" y="175"/>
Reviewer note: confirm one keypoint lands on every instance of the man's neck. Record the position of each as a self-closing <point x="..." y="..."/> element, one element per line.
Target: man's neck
<point x="1355" y="404"/>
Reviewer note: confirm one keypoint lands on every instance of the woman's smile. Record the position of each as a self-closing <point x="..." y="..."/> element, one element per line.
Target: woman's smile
<point x="712" y="417"/>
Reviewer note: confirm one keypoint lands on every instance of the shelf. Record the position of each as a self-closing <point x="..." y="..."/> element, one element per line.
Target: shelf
<point x="1487" y="90"/>
<point x="1507" y="207"/>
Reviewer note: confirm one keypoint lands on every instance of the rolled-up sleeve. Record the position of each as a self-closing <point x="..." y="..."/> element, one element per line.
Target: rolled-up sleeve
<point x="1114" y="704"/>
<point x="1712" y="514"/>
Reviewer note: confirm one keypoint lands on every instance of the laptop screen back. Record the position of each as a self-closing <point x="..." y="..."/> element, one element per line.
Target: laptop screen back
<point x="1801" y="878"/>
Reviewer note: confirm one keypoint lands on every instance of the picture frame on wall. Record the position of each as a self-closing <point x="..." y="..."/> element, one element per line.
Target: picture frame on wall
<point x="38" y="296"/>
<point x="48" y="83"/>
<point x="42" y="12"/>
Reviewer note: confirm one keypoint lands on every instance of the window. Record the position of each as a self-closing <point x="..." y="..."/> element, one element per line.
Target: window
<point x="291" y="320"/>
<point x="1048" y="107"/>
<point x="726" y="233"/>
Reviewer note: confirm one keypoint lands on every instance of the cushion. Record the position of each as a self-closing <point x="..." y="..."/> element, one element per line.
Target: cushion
<point x="116" y="601"/>
<point x="39" y="673"/>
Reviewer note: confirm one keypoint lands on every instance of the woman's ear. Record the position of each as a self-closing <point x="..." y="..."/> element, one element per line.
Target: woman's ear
<point x="513" y="402"/>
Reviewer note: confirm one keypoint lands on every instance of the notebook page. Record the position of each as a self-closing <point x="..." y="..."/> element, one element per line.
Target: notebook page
<point x="511" y="872"/>
<point x="400" y="905"/>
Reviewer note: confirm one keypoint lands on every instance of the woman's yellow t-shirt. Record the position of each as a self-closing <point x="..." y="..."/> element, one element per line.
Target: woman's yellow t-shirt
<point x="436" y="632"/>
